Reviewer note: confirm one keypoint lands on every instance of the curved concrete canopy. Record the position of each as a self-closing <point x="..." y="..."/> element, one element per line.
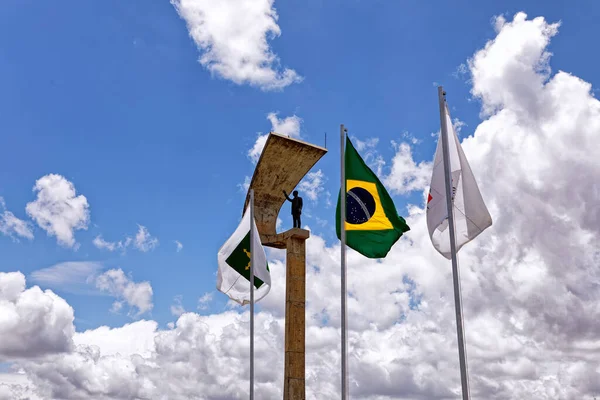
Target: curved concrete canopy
<point x="283" y="163"/>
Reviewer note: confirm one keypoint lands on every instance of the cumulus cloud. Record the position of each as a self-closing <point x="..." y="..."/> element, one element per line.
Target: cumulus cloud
<point x="530" y="283"/>
<point x="255" y="152"/>
<point x="209" y="347"/>
<point x="245" y="186"/>
<point x="205" y="300"/>
<point x="136" y="338"/>
<point x="100" y="243"/>
<point x="16" y="386"/>
<point x="461" y="71"/>
<point x="312" y="185"/>
<point x="524" y="69"/>
<point x="177" y="308"/>
<point x="368" y="151"/>
<point x="33" y="322"/>
<point x="12" y="226"/>
<point x="58" y="210"/>
<point x="86" y="374"/>
<point x="406" y="175"/>
<point x="289" y="126"/>
<point x="179" y="245"/>
<point x="136" y="295"/>
<point x="362" y="145"/>
<point x="232" y="36"/>
<point x="144" y="241"/>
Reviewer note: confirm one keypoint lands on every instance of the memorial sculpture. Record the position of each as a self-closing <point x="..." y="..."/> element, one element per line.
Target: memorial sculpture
<point x="296" y="208"/>
<point x="283" y="163"/>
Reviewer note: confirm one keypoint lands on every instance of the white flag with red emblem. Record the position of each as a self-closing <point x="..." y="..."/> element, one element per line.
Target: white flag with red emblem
<point x="471" y="216"/>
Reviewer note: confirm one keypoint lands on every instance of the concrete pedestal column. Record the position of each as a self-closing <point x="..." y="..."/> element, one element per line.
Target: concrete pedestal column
<point x="295" y="299"/>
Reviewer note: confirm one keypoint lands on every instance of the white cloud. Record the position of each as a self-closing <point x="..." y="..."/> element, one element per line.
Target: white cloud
<point x="101" y="244"/>
<point x="406" y="175"/>
<point x="233" y="38"/>
<point x="58" y="210"/>
<point x="289" y="126"/>
<point x="368" y="152"/>
<point x="321" y="222"/>
<point x="413" y="139"/>
<point x="179" y="245"/>
<point x="205" y="300"/>
<point x="530" y="282"/>
<point x="245" y="186"/>
<point x="86" y="374"/>
<point x="181" y="365"/>
<point x="177" y="309"/>
<point x="458" y="125"/>
<point x="32" y="322"/>
<point x="128" y="340"/>
<point x="116" y="307"/>
<point x="136" y="295"/>
<point x="524" y="69"/>
<point x="362" y="145"/>
<point x="12" y="226"/>
<point x="254" y="154"/>
<point x="73" y="276"/>
<point x="144" y="241"/>
<point x="461" y="71"/>
<point x="16" y="386"/>
<point x="312" y="184"/>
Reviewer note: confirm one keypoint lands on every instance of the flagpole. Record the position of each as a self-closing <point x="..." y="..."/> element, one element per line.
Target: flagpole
<point x="251" y="294"/>
<point x="344" y="310"/>
<point x="462" y="354"/>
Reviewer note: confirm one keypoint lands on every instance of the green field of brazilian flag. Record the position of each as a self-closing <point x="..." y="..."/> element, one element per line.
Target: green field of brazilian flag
<point x="233" y="275"/>
<point x="372" y="222"/>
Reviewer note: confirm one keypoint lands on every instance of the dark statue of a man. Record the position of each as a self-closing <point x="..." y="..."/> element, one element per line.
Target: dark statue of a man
<point x="296" y="207"/>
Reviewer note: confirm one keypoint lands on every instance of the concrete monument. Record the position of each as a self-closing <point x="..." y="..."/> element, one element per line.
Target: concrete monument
<point x="282" y="165"/>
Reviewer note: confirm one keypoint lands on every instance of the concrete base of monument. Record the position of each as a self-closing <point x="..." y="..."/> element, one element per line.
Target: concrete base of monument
<point x="280" y="240"/>
<point x="294" y="241"/>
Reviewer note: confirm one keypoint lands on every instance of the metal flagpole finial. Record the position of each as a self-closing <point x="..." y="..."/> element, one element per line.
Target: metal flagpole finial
<point x="442" y="91"/>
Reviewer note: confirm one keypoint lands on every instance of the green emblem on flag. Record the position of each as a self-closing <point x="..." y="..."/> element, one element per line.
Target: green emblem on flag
<point x="239" y="260"/>
<point x="372" y="222"/>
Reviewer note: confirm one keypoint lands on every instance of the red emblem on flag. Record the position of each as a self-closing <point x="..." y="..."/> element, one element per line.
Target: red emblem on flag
<point x="429" y="198"/>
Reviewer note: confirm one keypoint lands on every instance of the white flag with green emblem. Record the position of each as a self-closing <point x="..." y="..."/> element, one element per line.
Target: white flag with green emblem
<point x="233" y="276"/>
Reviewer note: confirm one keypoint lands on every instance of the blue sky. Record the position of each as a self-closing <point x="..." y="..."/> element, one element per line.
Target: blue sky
<point x="111" y="96"/>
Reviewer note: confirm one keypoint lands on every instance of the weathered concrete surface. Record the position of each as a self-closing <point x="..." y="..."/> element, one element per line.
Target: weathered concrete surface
<point x="283" y="163"/>
<point x="294" y="387"/>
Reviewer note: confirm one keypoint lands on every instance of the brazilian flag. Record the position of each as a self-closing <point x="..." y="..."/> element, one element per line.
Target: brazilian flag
<point x="372" y="222"/>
